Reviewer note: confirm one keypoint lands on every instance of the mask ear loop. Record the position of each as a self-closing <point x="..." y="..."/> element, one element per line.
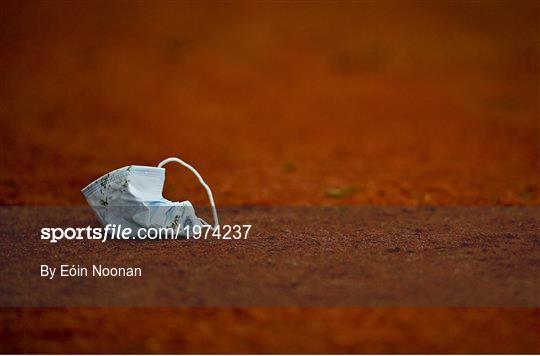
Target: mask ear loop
<point x="208" y="191"/>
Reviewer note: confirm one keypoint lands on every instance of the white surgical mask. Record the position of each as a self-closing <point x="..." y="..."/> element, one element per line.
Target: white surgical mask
<point x="132" y="197"/>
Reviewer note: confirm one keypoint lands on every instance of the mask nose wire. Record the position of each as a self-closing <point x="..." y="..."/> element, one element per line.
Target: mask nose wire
<point x="201" y="180"/>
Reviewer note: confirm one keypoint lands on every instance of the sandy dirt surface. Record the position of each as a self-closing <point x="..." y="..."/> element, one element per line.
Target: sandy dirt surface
<point x="285" y="330"/>
<point x="301" y="257"/>
<point x="276" y="104"/>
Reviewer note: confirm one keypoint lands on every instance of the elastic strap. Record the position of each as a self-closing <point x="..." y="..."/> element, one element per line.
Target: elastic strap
<point x="208" y="191"/>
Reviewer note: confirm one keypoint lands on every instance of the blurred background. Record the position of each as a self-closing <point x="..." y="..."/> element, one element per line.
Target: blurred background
<point x="275" y="103"/>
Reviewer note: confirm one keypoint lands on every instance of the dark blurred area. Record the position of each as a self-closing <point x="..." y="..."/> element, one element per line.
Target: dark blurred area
<point x="276" y="103"/>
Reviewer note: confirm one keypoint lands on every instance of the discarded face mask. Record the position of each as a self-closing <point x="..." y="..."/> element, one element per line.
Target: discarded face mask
<point x="131" y="197"/>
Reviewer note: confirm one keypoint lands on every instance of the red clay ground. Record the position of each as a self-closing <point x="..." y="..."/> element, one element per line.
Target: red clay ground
<point x="325" y="257"/>
<point x="398" y="104"/>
